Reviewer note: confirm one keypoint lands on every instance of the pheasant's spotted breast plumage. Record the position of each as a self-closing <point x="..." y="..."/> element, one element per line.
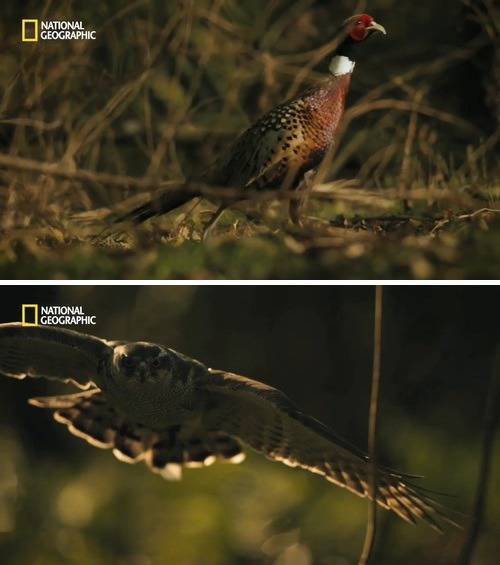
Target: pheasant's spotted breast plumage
<point x="286" y="142"/>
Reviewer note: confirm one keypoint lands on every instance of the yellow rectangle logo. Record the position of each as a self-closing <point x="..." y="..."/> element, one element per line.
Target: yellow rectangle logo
<point x="29" y="30"/>
<point x="29" y="315"/>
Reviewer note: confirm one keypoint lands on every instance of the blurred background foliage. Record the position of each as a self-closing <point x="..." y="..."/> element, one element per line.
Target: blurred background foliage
<point x="167" y="85"/>
<point x="63" y="501"/>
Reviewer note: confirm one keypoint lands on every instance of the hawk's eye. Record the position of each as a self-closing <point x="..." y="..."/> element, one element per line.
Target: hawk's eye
<point x="156" y="362"/>
<point x="127" y="361"/>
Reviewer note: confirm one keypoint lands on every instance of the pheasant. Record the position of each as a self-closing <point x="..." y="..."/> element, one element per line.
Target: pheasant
<point x="285" y="144"/>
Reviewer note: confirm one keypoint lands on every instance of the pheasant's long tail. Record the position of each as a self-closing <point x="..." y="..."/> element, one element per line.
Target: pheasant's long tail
<point x="162" y="204"/>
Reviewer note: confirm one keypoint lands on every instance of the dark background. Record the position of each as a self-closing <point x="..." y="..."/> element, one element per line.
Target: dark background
<point x="62" y="501"/>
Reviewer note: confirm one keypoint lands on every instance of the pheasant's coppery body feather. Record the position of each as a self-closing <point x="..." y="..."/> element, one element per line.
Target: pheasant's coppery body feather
<point x="285" y="143"/>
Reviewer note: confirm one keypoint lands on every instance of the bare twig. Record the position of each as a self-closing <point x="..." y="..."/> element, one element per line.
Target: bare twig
<point x="337" y="190"/>
<point x="58" y="170"/>
<point x="462" y="217"/>
<point x="81" y="175"/>
<point x="426" y="68"/>
<point x="372" y="430"/>
<point x="491" y="419"/>
<point x="35" y="124"/>
<point x="478" y="213"/>
<point x="408" y="106"/>
<point x="404" y="175"/>
<point x="481" y="150"/>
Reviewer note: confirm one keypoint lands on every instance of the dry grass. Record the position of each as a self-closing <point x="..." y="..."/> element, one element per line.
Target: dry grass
<point x="97" y="125"/>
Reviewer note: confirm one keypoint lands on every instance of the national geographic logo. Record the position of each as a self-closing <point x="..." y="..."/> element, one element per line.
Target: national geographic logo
<point x="54" y="30"/>
<point x="29" y="30"/>
<point x="34" y="315"/>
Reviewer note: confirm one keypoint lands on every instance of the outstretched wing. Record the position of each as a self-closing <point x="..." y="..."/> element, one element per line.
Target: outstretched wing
<point x="51" y="353"/>
<point x="268" y="421"/>
<point x="90" y="416"/>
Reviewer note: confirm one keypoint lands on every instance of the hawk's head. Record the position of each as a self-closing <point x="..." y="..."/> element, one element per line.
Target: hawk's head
<point x="142" y="362"/>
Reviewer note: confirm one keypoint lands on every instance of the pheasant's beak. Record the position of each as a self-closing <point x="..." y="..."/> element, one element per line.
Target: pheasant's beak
<point x="374" y="26"/>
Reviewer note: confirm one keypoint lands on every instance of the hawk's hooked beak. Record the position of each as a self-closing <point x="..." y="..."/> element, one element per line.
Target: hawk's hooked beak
<point x="142" y="371"/>
<point x="377" y="27"/>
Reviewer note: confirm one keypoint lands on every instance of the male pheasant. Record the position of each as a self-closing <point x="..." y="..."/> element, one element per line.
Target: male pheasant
<point x="284" y="144"/>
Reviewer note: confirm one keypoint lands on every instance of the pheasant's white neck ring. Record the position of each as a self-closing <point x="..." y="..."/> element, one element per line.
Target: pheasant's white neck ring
<point x="341" y="65"/>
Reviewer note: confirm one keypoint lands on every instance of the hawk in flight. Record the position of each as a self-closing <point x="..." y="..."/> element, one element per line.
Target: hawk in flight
<point x="150" y="403"/>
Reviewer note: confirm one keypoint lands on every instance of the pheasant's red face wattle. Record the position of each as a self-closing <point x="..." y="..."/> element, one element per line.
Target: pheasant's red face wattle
<point x="362" y="26"/>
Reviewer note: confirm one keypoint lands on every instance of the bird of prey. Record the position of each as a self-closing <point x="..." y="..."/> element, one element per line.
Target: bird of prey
<point x="147" y="402"/>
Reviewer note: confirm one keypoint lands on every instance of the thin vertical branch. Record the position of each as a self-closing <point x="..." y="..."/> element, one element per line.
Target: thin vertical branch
<point x="404" y="174"/>
<point x="371" y="526"/>
<point x="491" y="419"/>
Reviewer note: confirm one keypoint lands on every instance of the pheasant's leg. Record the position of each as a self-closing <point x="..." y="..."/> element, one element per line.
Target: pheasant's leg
<point x="213" y="221"/>
<point x="183" y="216"/>
<point x="294" y="211"/>
<point x="296" y="205"/>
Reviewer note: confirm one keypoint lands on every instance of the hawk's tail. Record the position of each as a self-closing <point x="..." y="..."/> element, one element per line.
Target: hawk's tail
<point x="411" y="502"/>
<point x="88" y="415"/>
<point x="395" y="492"/>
